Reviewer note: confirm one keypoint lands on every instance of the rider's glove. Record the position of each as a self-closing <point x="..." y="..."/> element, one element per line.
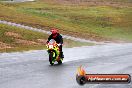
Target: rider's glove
<point x="59" y="44"/>
<point x="47" y="42"/>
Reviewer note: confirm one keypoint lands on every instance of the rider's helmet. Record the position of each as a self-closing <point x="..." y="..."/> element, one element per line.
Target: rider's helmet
<point x="54" y="31"/>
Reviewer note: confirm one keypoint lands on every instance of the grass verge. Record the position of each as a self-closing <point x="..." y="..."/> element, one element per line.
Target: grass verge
<point x="96" y="22"/>
<point x="14" y="39"/>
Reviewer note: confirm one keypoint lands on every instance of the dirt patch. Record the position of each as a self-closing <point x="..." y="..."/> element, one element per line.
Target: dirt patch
<point x="12" y="34"/>
<point x="4" y="45"/>
<point x="26" y="42"/>
<point x="42" y="41"/>
<point x="92" y="2"/>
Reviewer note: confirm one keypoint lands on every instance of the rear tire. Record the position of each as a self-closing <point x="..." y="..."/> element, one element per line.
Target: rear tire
<point x="59" y="62"/>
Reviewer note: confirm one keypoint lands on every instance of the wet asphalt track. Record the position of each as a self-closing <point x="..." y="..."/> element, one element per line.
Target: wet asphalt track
<point x="32" y="70"/>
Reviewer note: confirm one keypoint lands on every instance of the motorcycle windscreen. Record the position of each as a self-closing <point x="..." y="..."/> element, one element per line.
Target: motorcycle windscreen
<point x="52" y="41"/>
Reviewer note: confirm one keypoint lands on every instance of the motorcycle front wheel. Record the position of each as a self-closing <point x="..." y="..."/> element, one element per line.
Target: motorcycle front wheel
<point x="51" y="58"/>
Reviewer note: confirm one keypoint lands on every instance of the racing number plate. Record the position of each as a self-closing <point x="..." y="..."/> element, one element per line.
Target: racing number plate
<point x="51" y="46"/>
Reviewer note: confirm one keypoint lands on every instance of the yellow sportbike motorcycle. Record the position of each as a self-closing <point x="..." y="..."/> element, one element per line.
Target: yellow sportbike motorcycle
<point x="54" y="52"/>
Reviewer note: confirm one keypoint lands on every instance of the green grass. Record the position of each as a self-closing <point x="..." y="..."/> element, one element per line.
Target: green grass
<point x="28" y="35"/>
<point x="70" y="43"/>
<point x="89" y="22"/>
<point x="22" y="48"/>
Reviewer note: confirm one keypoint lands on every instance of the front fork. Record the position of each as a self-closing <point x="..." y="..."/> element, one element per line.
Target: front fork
<point x="56" y="55"/>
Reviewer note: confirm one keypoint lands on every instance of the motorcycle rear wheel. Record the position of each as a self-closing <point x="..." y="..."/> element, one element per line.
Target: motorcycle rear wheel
<point x="59" y="62"/>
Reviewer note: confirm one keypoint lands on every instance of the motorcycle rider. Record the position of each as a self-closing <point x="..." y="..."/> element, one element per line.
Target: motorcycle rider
<point x="58" y="38"/>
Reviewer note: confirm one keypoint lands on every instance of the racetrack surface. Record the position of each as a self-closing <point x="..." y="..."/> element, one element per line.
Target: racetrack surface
<point x="32" y="70"/>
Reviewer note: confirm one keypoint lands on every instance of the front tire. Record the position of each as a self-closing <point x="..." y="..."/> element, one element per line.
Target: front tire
<point x="51" y="58"/>
<point x="51" y="63"/>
